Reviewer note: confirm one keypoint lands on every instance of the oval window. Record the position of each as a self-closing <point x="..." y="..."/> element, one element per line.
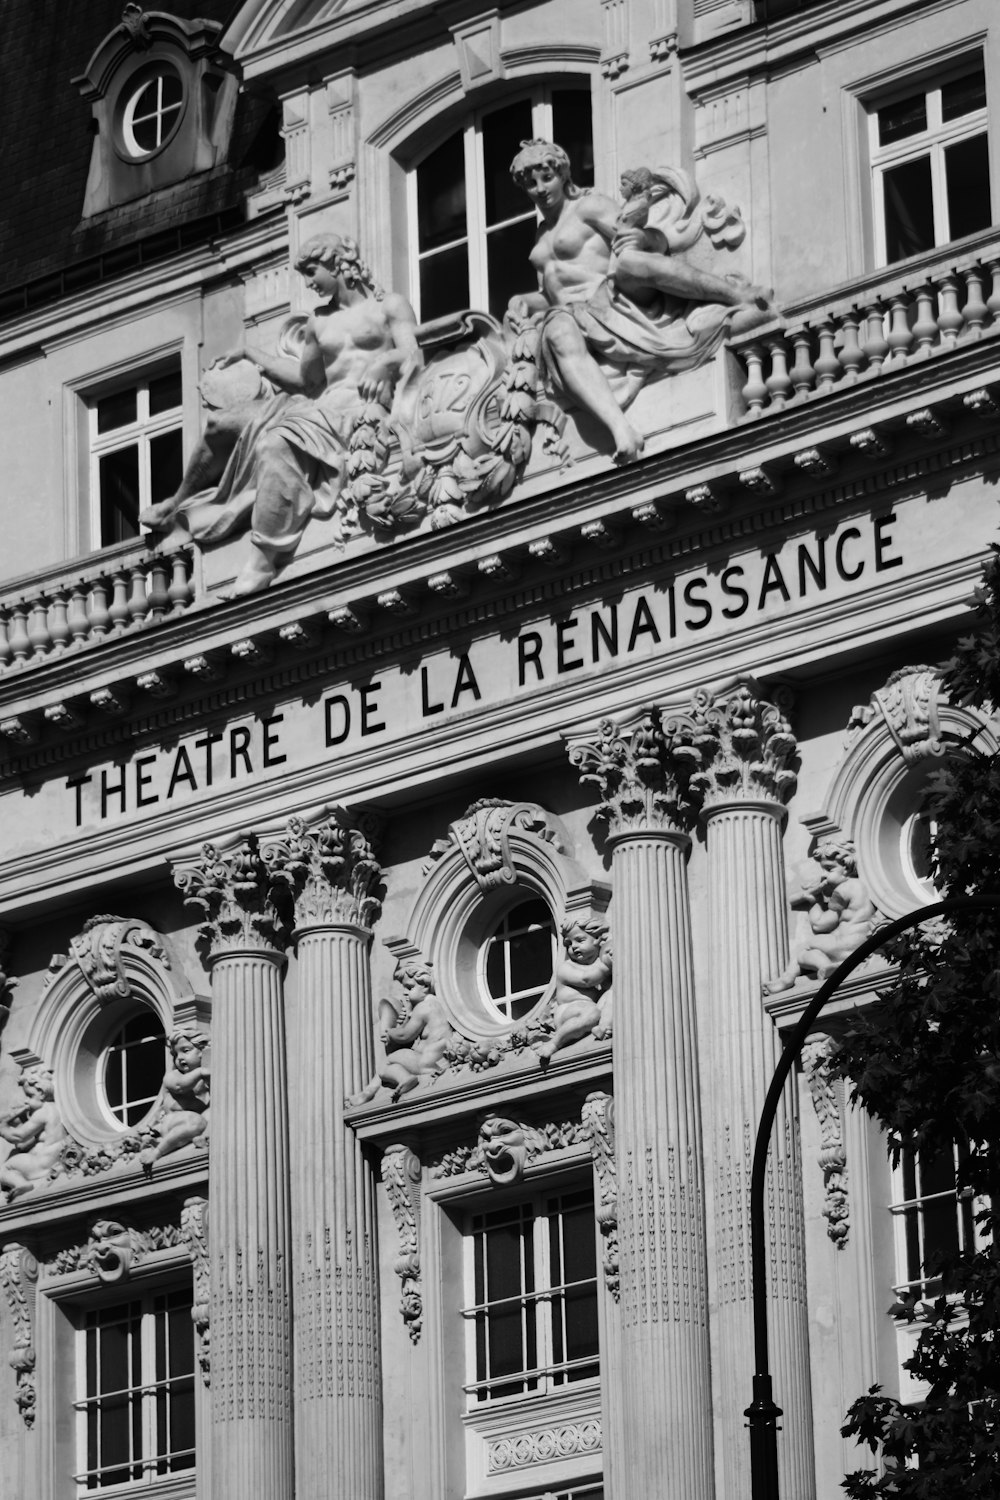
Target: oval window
<point x="131" y="1069"/>
<point x="517" y="959"/>
<point x="152" y="111"/>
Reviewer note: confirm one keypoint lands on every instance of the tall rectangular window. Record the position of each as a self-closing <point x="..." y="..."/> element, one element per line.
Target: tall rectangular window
<point x="932" y="1216"/>
<point x="136" y="452"/>
<point x="930" y="164"/>
<point x="136" y="1404"/>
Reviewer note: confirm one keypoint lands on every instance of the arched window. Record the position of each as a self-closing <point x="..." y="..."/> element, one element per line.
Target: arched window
<point x="472" y="228"/>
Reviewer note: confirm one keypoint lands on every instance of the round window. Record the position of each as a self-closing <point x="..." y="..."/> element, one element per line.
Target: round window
<point x="517" y="958"/>
<point x="152" y="111"/>
<point x="131" y="1069"/>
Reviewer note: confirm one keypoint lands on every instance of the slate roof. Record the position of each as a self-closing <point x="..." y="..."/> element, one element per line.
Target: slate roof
<point x="45" y="150"/>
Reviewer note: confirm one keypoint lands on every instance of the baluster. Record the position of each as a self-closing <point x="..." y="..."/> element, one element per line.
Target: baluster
<point x="5" y="651"/>
<point x="59" y="626"/>
<point x="851" y="354"/>
<point x="77" y="620"/>
<point x="755" y="391"/>
<point x="899" y="336"/>
<point x="119" y="611"/>
<point x="137" y="605"/>
<point x="802" y="373"/>
<point x="949" y="318"/>
<point x="993" y="300"/>
<point x="17" y="635"/>
<point x="875" y="346"/>
<point x="778" y="384"/>
<point x="827" y="364"/>
<point x="925" y="324"/>
<point x="100" y="617"/>
<point x="38" y="628"/>
<point x="156" y="588"/>
<point x="179" y="591"/>
<point x="975" y="310"/>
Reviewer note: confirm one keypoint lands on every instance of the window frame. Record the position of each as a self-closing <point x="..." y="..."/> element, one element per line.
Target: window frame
<point x="499" y="935"/>
<point x="131" y="90"/>
<point x="539" y="92"/>
<point x="139" y="433"/>
<point x="923" y="1286"/>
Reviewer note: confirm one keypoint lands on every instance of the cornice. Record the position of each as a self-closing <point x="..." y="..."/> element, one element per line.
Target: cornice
<point x="57" y="1203"/>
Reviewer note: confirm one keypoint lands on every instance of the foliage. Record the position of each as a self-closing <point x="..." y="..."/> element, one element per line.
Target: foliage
<point x="926" y="1063"/>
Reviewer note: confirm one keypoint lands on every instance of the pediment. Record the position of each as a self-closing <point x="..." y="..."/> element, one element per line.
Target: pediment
<point x="261" y="24"/>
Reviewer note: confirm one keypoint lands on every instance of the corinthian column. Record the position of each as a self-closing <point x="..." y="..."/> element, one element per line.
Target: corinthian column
<point x="251" y="1316"/>
<point x="745" y="743"/>
<point x="658" y="1412"/>
<point x="332" y="874"/>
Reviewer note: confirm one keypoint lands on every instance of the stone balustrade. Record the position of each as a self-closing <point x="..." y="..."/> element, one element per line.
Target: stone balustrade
<point x="126" y="589"/>
<point x="881" y="324"/>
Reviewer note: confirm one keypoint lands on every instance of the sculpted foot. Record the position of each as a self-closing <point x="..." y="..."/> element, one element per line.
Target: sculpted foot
<point x="159" y="517"/>
<point x="254" y="576"/>
<point x="628" y="444"/>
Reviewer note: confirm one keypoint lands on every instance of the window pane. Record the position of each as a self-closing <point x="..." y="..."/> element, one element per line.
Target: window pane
<point x="508" y="267"/>
<point x="116" y="410"/>
<point x="441" y="194"/>
<point x="119" y="486"/>
<point x="967" y="173"/>
<point x="572" y="127"/>
<point x="905" y="117"/>
<point x="503" y="131"/>
<point x="963" y="95"/>
<point x="909" y="209"/>
<point x="530" y="960"/>
<point x="165" y="393"/>
<point x="444" y="283"/>
<point x="166" y="464"/>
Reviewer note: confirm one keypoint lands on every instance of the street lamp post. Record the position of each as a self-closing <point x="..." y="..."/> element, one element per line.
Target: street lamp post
<point x="762" y="1414"/>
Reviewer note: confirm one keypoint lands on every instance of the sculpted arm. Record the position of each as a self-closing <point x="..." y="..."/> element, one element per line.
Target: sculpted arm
<point x="388" y="364"/>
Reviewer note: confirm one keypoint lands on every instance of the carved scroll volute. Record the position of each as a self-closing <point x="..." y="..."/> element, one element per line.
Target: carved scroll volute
<point x="19" y="1276"/>
<point x="194" y="1227"/>
<point x="598" y="1115"/>
<point x="644" y="778"/>
<point x="817" y="1055"/>
<point x="247" y="908"/>
<point x="329" y="868"/>
<point x="401" y="1173"/>
<point x="745" y="744"/>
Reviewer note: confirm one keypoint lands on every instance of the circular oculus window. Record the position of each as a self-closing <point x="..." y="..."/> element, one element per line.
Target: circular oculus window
<point x="131" y="1068"/>
<point x="517" y="959"/>
<point x="152" y="111"/>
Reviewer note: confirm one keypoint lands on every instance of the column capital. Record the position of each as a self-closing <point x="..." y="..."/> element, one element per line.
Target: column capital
<point x="644" y="777"/>
<point x="743" y="740"/>
<point x="329" y="869"/>
<point x="246" y="907"/>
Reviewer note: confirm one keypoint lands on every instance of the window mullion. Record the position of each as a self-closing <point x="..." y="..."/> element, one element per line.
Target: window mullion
<point x="543" y="1307"/>
<point x="475" y="210"/>
<point x="939" y="191"/>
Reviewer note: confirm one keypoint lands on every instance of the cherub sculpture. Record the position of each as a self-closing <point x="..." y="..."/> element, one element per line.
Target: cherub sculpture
<point x="188" y="1088"/>
<point x="416" y="1036"/>
<point x="35" y="1130"/>
<point x="840" y="911"/>
<point x="580" y="999"/>
<point x="616" y="302"/>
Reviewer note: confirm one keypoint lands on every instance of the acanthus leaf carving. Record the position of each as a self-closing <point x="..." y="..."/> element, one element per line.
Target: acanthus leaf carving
<point x="19" y="1275"/>
<point x="98" y="951"/>
<point x="644" y="776"/>
<point x="599" y="1117"/>
<point x="743" y="736"/>
<point x="818" y="1052"/>
<point x="194" y="1228"/>
<point x="401" y="1173"/>
<point x="330" y="869"/>
<point x="909" y="704"/>
<point x="483" y="836"/>
<point x="503" y="1147"/>
<point x="246" y="905"/>
<point x="113" y="1248"/>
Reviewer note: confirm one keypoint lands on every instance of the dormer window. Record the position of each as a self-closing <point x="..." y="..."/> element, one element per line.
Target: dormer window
<point x="152" y="112"/>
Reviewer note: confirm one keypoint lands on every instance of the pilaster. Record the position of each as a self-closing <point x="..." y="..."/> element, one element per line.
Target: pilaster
<point x="745" y="744"/>
<point x="332" y="875"/>
<point x="658" y="1413"/>
<point x="249" y="1276"/>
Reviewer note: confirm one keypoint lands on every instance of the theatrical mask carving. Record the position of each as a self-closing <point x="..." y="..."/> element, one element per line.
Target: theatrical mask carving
<point x="840" y="912"/>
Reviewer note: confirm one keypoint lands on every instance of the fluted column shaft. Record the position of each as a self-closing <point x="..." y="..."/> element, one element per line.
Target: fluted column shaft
<point x="661" y="1438"/>
<point x="249" y="1232"/>
<point x="338" y="1403"/>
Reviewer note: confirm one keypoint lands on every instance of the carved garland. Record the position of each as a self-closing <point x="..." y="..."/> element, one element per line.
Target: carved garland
<point x="817" y="1054"/>
<point x="401" y="1173"/>
<point x="19" y="1274"/>
<point x="599" y="1116"/>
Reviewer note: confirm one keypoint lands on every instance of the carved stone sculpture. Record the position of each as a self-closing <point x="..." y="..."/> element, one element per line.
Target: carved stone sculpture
<point x="401" y="1174"/>
<point x="615" y="303"/>
<point x="188" y="1086"/>
<point x="840" y="911"/>
<point x="416" y="1036"/>
<point x="36" y="1132"/>
<point x="503" y="1149"/>
<point x="291" y="460"/>
<point x="818" y="1052"/>
<point x="581" y="999"/>
<point x="599" y="1116"/>
<point x="19" y="1278"/>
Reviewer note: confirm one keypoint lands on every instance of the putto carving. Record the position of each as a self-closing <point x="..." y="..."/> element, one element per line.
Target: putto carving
<point x="745" y="743"/>
<point x="35" y="1131"/>
<point x="644" y="779"/>
<point x="19" y="1275"/>
<point x="330" y="868"/>
<point x="841" y="913"/>
<point x="599" y="1117"/>
<point x="401" y="1174"/>
<point x="245" y="904"/>
<point x="98" y="951"/>
<point x="617" y="302"/>
<point x="415" y="1032"/>
<point x="194" y="1229"/>
<point x="818" y="1053"/>
<point x="188" y="1091"/>
<point x="909" y="705"/>
<point x="483" y="836"/>
<point x="581" y="1001"/>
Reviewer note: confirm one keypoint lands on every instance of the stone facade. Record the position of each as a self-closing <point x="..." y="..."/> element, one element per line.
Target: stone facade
<point x="418" y="837"/>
